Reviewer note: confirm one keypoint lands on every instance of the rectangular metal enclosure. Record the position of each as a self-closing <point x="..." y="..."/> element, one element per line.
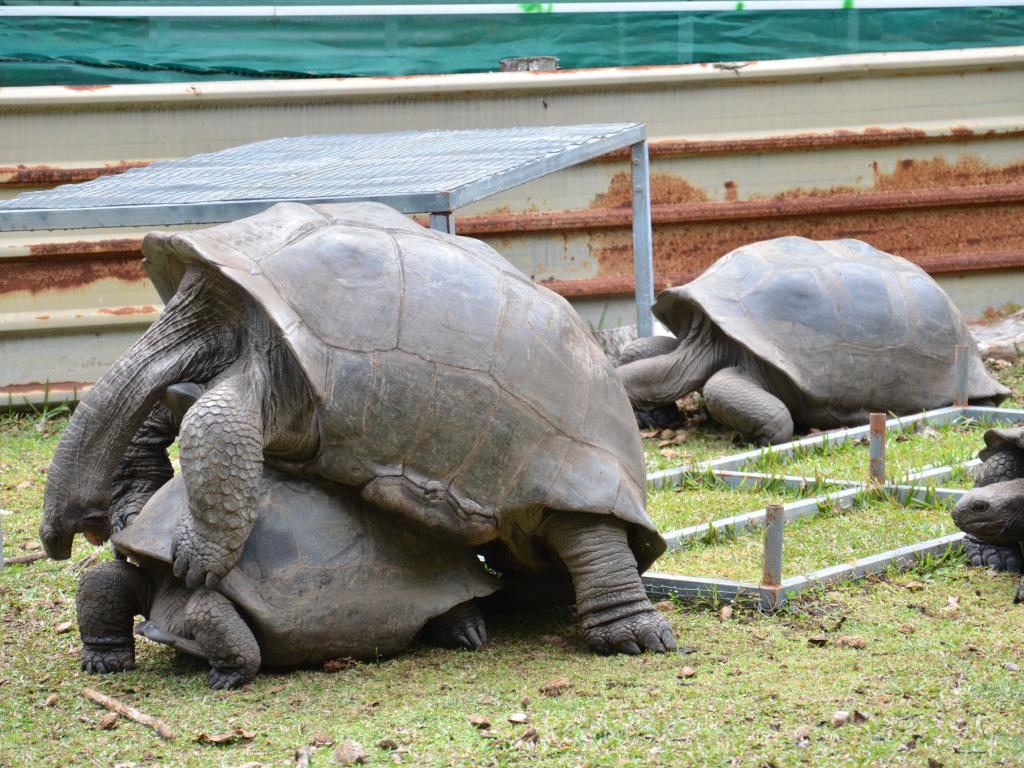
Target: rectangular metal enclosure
<point x="775" y="590"/>
<point x="433" y="172"/>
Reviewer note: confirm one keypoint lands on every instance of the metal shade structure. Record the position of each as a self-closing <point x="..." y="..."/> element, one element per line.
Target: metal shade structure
<point x="432" y="172"/>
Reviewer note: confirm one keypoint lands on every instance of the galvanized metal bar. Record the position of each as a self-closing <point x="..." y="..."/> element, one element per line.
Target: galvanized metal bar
<point x="791" y="511"/>
<point x="443" y="222"/>
<point x="643" y="254"/>
<point x="901" y="557"/>
<point x="193" y="213"/>
<point x="660" y="586"/>
<point x="961" y="360"/>
<point x="774" y="522"/>
<point x="876" y="448"/>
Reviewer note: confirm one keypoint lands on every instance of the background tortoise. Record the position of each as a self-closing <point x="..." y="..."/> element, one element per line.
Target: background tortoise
<point x="798" y="332"/>
<point x="322" y="576"/>
<point x="348" y="343"/>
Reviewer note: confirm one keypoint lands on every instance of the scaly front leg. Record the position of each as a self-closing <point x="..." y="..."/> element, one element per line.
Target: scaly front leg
<point x="221" y="463"/>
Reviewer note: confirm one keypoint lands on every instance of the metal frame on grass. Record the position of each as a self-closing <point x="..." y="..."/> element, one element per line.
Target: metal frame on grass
<point x="774" y="590"/>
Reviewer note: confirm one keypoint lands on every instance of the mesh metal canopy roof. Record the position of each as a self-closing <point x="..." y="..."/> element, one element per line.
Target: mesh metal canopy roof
<point x="415" y="172"/>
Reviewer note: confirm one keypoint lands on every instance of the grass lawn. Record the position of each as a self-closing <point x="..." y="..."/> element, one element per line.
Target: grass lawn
<point x="905" y="453"/>
<point x="829" y="538"/>
<point x="940" y="677"/>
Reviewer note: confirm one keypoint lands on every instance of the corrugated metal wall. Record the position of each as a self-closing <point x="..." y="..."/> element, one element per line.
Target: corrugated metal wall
<point x="919" y="154"/>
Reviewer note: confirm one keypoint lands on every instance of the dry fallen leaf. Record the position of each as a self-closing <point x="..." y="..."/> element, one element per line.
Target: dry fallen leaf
<point x="667" y="434"/>
<point x="64" y="626"/>
<point x="952" y="604"/>
<point x="686" y="672"/>
<point x="817" y="640"/>
<point x="552" y="640"/>
<point x="525" y="702"/>
<point x="236" y="734"/>
<point x="528" y="738"/>
<point x="908" y="629"/>
<point x="840" y="718"/>
<point x="647" y="434"/>
<point x="859" y="717"/>
<point x="669" y="453"/>
<point x="321" y="740"/>
<point x="725" y="614"/>
<point x="479" y="722"/>
<point x="914" y="586"/>
<point x="109" y="721"/>
<point x="388" y="744"/>
<point x="556" y="686"/>
<point x="350" y="752"/>
<point x="665" y="606"/>
<point x="851" y="641"/>
<point x="802" y="735"/>
<point x="519" y="718"/>
<point x="50" y="700"/>
<point x="337" y="665"/>
<point x="23" y="485"/>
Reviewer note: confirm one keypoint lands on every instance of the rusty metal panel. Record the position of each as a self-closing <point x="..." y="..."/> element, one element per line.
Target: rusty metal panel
<point x="920" y="154"/>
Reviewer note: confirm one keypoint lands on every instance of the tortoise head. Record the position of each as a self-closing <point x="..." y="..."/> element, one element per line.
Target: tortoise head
<point x="993" y="513"/>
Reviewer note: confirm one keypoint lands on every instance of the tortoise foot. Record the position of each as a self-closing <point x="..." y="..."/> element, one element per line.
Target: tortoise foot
<point x="199" y="559"/>
<point x="107" y="659"/>
<point x="657" y="416"/>
<point x="226" y="678"/>
<point x="648" y="631"/>
<point x="1000" y="558"/>
<point x="461" y="627"/>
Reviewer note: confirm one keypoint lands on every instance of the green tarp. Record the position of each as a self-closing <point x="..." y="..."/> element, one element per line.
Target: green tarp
<point x="45" y="51"/>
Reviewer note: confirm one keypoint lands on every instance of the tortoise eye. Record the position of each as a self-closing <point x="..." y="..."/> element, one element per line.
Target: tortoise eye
<point x="979" y="506"/>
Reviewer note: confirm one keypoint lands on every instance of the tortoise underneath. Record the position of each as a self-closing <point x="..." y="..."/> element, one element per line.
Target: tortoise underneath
<point x="796" y="332"/>
<point x="322" y="576"/>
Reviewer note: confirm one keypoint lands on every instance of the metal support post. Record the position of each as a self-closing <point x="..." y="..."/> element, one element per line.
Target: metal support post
<point x="876" y="448"/>
<point x="960" y="361"/>
<point x="643" y="258"/>
<point x="443" y="222"/>
<point x="771" y="575"/>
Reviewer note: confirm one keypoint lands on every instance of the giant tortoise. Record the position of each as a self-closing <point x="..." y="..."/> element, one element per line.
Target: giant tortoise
<point x="322" y="576"/>
<point x="348" y="343"/>
<point x="800" y="332"/>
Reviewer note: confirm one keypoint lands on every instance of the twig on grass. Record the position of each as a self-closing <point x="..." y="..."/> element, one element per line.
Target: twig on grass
<point x="22" y="559"/>
<point x="158" y="725"/>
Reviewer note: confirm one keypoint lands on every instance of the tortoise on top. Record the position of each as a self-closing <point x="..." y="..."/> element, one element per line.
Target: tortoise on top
<point x="798" y="332"/>
<point x="348" y="343"/>
<point x="322" y="576"/>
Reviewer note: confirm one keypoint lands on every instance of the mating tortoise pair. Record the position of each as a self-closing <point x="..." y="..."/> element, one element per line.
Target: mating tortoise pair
<point x="391" y="370"/>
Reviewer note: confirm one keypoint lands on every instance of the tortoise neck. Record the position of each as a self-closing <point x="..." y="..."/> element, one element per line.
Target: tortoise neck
<point x="704" y="351"/>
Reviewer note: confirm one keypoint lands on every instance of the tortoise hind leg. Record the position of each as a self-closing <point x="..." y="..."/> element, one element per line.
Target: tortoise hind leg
<point x="1001" y="558"/>
<point x="611" y="603"/>
<point x="738" y="401"/>
<point x="224" y="637"/>
<point x="110" y="595"/>
<point x="461" y="627"/>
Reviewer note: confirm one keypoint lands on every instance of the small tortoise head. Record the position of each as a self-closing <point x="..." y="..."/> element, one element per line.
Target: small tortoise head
<point x="993" y="513"/>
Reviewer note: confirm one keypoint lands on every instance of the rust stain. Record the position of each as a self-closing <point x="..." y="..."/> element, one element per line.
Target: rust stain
<point x="42" y="317"/>
<point x="666" y="189"/>
<point x="48" y="175"/>
<point x="731" y="192"/>
<point x="146" y="310"/>
<point x="86" y="87"/>
<point x="120" y="245"/>
<point x="804" y="142"/>
<point x="939" y="173"/>
<point x="69" y="270"/>
<point x="40" y="386"/>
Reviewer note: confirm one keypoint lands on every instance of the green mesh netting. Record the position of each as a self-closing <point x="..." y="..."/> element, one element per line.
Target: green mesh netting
<point x="45" y="51"/>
